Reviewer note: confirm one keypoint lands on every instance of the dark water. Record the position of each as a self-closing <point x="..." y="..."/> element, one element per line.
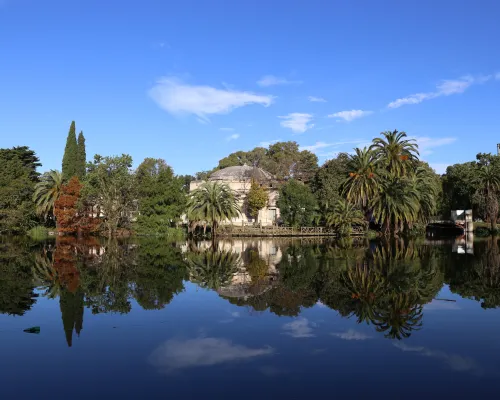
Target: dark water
<point x="249" y="319"/>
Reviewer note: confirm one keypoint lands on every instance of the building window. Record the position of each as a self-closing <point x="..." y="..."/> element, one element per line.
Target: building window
<point x="271" y="215"/>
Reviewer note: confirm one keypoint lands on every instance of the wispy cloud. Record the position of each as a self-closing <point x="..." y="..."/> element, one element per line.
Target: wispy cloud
<point x="445" y="88"/>
<point x="268" y="143"/>
<point x="314" y="99"/>
<point x="178" y="98"/>
<point x="497" y="76"/>
<point x="300" y="328"/>
<point x="350" y="115"/>
<point x="178" y="354"/>
<point x="316" y="146"/>
<point x="351" y="334"/>
<point x="226" y="129"/>
<point x="322" y="145"/>
<point x="297" y="122"/>
<point x="234" y="136"/>
<point x="271" y="80"/>
<point x="426" y="145"/>
<point x="454" y="361"/>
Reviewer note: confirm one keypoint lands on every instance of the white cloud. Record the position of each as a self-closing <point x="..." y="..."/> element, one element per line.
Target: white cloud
<point x="427" y="144"/>
<point x="454" y="361"/>
<point x="314" y="99"/>
<point x="234" y="136"/>
<point x="179" y="98"/>
<point x="178" y="354"/>
<point x="271" y="80"/>
<point x="269" y="143"/>
<point x="226" y="129"/>
<point x="322" y="145"/>
<point x="351" y="334"/>
<point x="297" y="122"/>
<point x="350" y="115"/>
<point x="316" y="146"/>
<point x="445" y="88"/>
<point x="299" y="328"/>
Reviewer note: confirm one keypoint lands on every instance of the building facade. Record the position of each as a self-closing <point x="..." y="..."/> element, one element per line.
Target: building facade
<point x="239" y="179"/>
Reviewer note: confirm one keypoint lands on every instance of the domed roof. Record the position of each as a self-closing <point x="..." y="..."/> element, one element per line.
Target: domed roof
<point x="241" y="173"/>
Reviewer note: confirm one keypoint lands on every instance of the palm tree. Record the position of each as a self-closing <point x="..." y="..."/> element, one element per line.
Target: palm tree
<point x="396" y="203"/>
<point x="488" y="181"/>
<point x="213" y="202"/>
<point x="395" y="151"/>
<point x="46" y="193"/>
<point x="212" y="269"/>
<point x="46" y="276"/>
<point x="363" y="181"/>
<point x="425" y="184"/>
<point x="344" y="216"/>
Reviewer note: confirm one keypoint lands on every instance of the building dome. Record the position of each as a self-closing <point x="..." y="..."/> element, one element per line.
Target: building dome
<point x="241" y="173"/>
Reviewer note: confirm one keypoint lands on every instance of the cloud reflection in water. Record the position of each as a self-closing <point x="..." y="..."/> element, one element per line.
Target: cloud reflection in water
<point x="178" y="354"/>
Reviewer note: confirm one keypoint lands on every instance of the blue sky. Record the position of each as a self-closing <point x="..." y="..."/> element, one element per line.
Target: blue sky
<point x="192" y="81"/>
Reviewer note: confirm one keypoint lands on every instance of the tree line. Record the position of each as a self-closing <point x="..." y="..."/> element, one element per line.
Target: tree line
<point x="385" y="186"/>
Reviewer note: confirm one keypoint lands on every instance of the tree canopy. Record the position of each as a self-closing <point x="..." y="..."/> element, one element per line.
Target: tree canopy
<point x="297" y="204"/>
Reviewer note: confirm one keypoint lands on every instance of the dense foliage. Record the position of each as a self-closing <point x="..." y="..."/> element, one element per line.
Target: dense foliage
<point x="389" y="183"/>
<point x="473" y="185"/>
<point x="297" y="204"/>
<point x="282" y="159"/>
<point x="110" y="188"/>
<point x="17" y="184"/>
<point x="160" y="195"/>
<point x="386" y="182"/>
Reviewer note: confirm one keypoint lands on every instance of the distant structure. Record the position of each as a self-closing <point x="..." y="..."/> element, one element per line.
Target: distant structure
<point x="239" y="179"/>
<point x="498" y="149"/>
<point x="464" y="219"/>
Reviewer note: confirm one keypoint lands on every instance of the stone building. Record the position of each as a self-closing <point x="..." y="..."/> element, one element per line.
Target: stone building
<point x="239" y="180"/>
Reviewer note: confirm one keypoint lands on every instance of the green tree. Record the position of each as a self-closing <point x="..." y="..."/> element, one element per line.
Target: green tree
<point x="488" y="187"/>
<point x="459" y="186"/>
<point x="297" y="204"/>
<point x="363" y="181"/>
<point x="110" y="187"/>
<point x="328" y="181"/>
<point x="28" y="158"/>
<point x="71" y="157"/>
<point x="396" y="203"/>
<point x="257" y="199"/>
<point x="212" y="269"/>
<point x="82" y="156"/>
<point x="161" y="197"/>
<point x="286" y="161"/>
<point x="344" y="216"/>
<point x="17" y="182"/>
<point x="47" y="192"/>
<point x="71" y="305"/>
<point x="213" y="202"/>
<point x="396" y="153"/>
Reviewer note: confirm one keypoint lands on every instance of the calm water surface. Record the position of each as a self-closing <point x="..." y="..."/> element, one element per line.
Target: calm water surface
<point x="249" y="319"/>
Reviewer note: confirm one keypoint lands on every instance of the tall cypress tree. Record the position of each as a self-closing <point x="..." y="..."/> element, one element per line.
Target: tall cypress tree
<point x="70" y="158"/>
<point x="82" y="155"/>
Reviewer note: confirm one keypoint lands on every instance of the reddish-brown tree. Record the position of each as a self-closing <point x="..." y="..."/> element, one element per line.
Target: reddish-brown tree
<point x="71" y="219"/>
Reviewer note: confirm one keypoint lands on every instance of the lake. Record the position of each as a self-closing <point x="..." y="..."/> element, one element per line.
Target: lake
<point x="302" y="318"/>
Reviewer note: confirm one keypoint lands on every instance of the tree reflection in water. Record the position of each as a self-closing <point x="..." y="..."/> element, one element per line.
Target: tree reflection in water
<point x="381" y="283"/>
